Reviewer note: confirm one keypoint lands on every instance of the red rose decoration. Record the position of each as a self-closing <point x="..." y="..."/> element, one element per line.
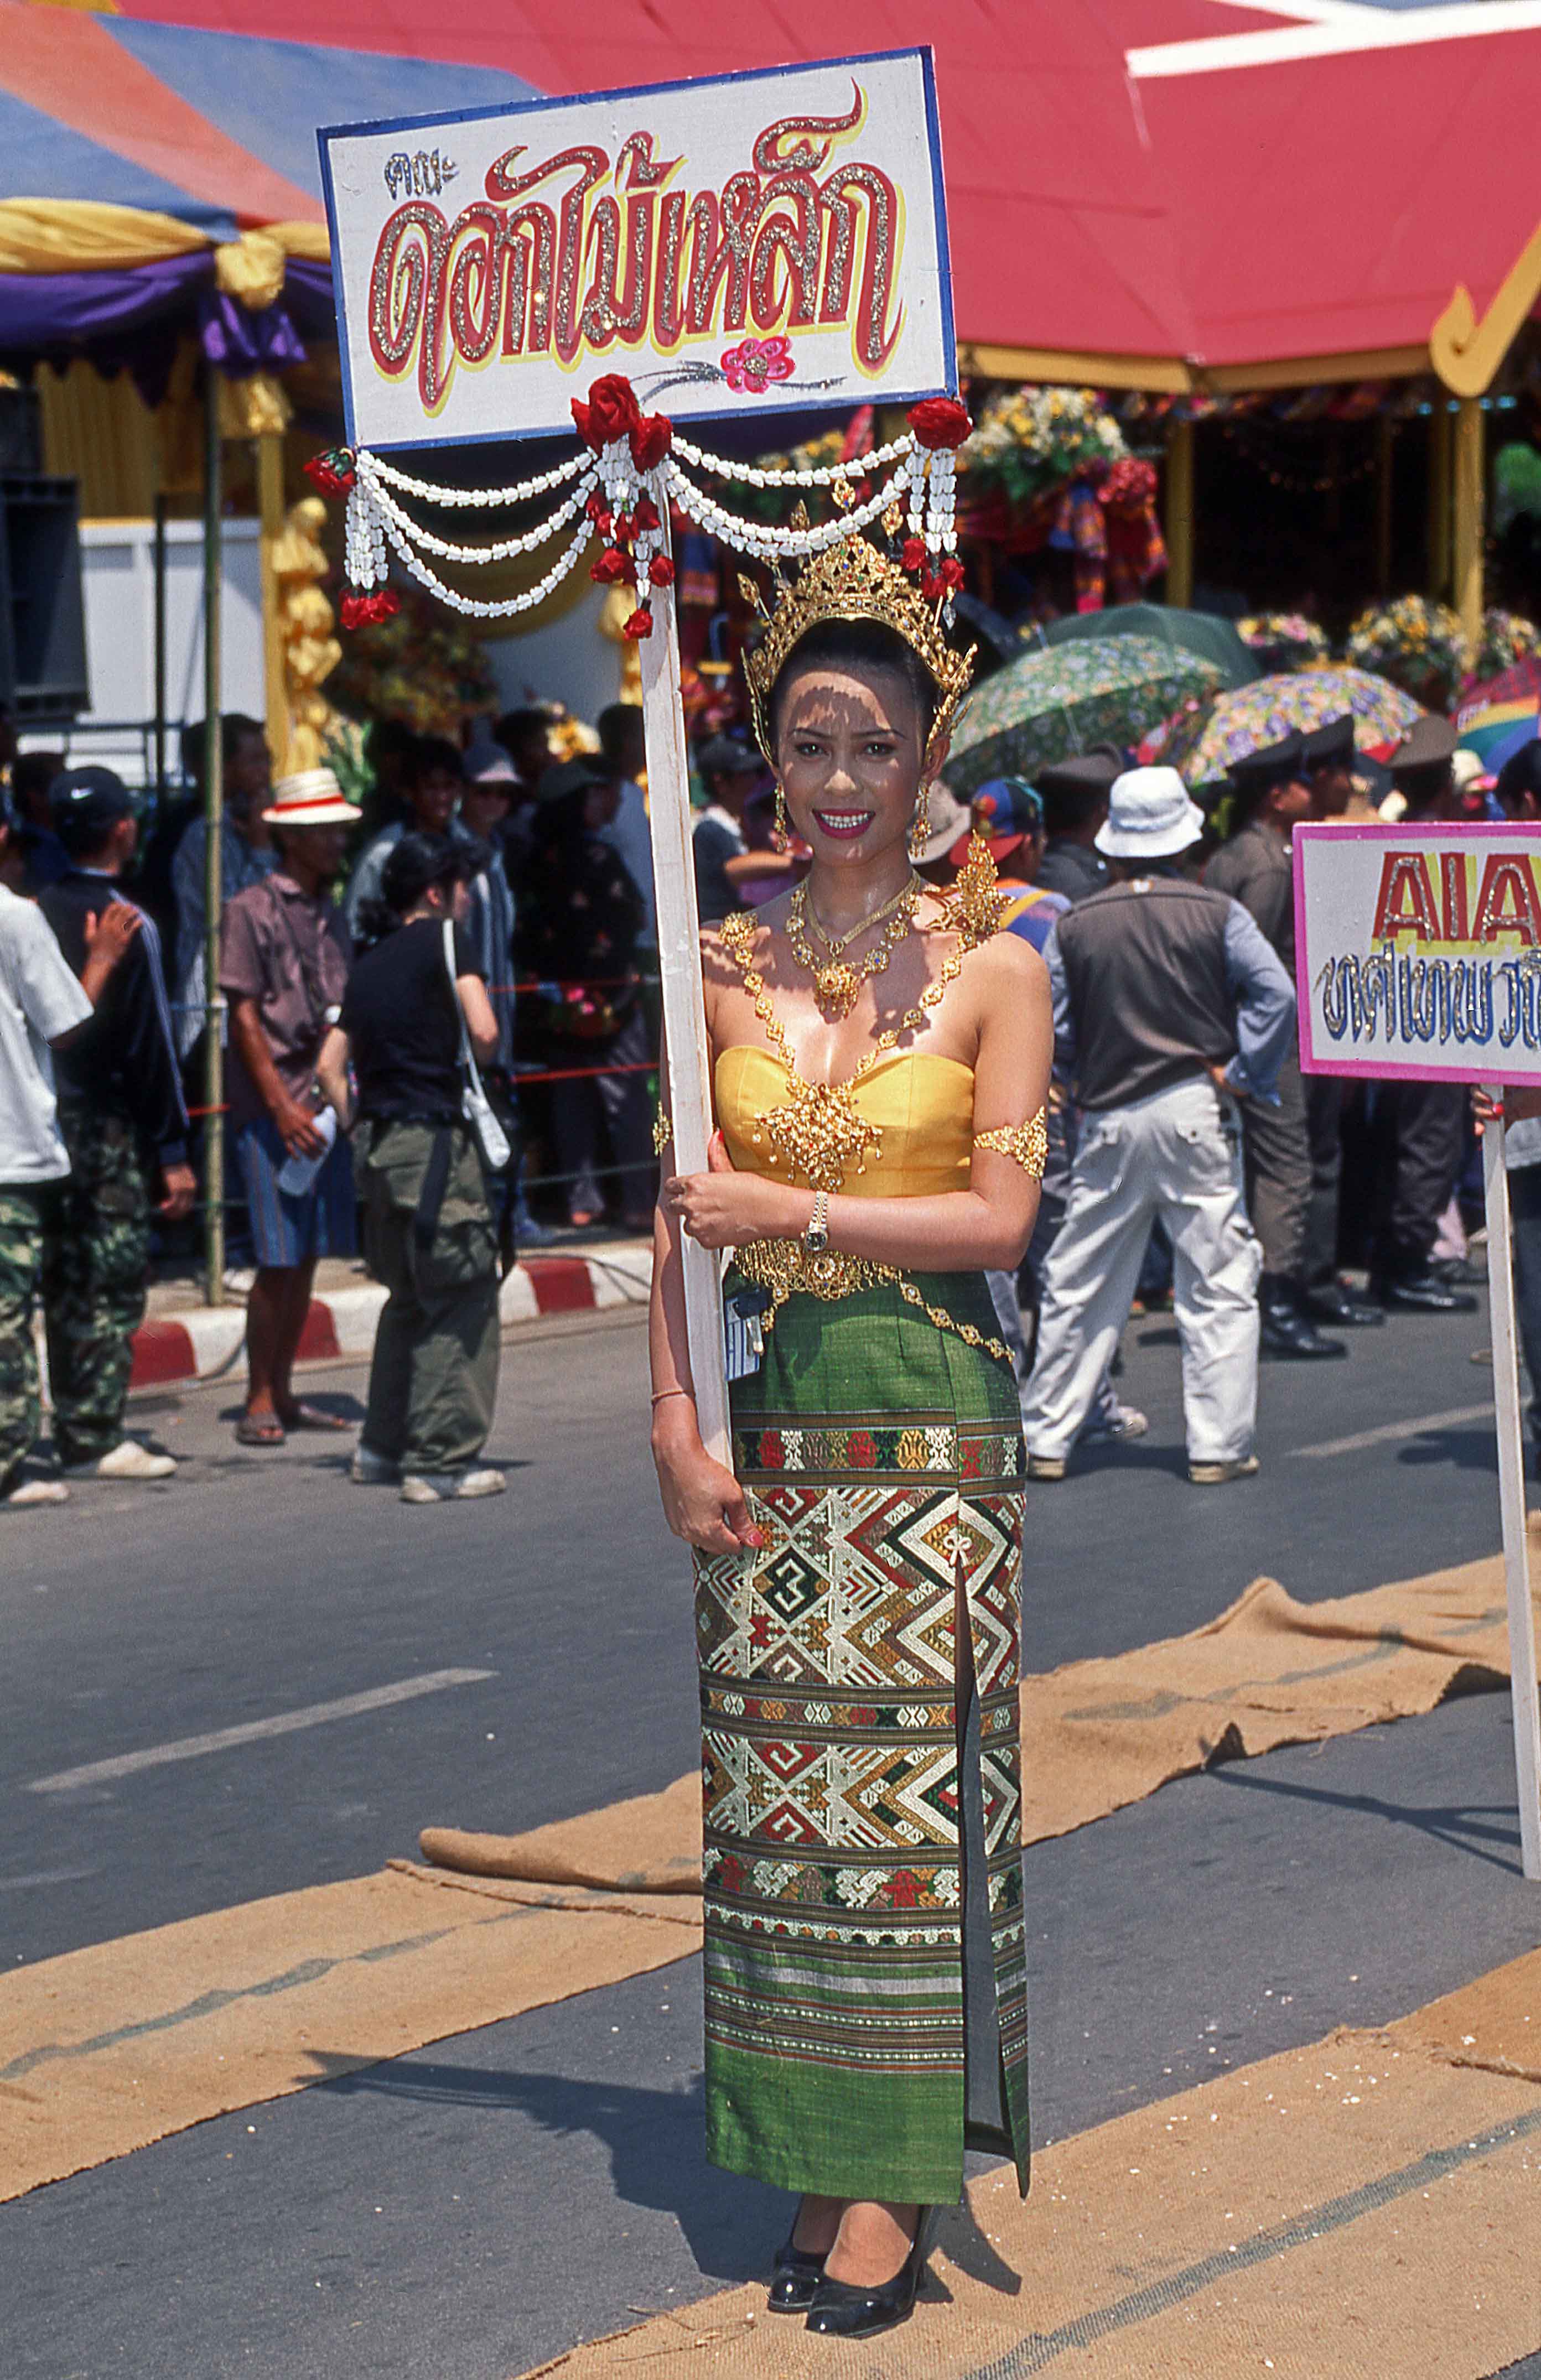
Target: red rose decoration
<point x="914" y="553"/>
<point x="332" y="472"/>
<point x="646" y="514"/>
<point x="350" y="609"/>
<point x="650" y="440"/>
<point x="660" y="571"/>
<point x="383" y="605"/>
<point x="939" y="421"/>
<point x="640" y="624"/>
<point x="953" y="573"/>
<point x="611" y="411"/>
<point x="609" y="567"/>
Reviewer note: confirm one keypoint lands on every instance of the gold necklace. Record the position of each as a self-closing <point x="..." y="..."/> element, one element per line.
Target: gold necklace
<point x="836" y="985"/>
<point x="914" y="886"/>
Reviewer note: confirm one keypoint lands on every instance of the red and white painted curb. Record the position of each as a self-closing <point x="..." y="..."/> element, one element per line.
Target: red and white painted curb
<point x="209" y="1343"/>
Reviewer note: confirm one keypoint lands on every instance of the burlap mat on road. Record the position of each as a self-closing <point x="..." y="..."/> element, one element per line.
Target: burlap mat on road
<point x="109" y="2048"/>
<point x="1364" y="2209"/>
<point x="1096" y="1735"/>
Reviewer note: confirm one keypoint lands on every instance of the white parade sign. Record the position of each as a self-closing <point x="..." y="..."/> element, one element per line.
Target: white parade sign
<point x="750" y="244"/>
<point x="1418" y="958"/>
<point x="1419" y="951"/>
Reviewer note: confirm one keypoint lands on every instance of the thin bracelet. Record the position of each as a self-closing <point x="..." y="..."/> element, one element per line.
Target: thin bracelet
<point x="659" y="1394"/>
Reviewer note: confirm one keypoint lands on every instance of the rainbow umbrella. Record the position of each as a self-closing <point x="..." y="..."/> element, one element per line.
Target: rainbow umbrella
<point x="1495" y="731"/>
<point x="1205" y="740"/>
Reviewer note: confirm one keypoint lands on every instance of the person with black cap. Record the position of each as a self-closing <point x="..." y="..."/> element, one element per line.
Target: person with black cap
<point x="123" y="1119"/>
<point x="730" y="773"/>
<point x="1075" y="795"/>
<point x="1419" y="1128"/>
<point x="1271" y="794"/>
<point x="1329" y="752"/>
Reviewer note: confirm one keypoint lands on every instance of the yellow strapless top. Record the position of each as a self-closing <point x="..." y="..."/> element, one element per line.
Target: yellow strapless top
<point x="922" y="1103"/>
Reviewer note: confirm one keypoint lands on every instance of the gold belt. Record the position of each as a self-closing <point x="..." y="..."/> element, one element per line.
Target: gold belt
<point x="785" y="1267"/>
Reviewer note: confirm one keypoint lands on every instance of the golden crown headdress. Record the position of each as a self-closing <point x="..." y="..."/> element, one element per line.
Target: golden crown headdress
<point x="851" y="580"/>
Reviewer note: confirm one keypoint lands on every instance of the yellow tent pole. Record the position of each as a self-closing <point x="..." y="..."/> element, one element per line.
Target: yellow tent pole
<point x="1438" y="495"/>
<point x="1467" y="478"/>
<point x="1180" y="513"/>
<point x="269" y="445"/>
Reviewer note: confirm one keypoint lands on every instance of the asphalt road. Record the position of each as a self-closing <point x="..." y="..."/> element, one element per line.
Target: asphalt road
<point x="467" y="2211"/>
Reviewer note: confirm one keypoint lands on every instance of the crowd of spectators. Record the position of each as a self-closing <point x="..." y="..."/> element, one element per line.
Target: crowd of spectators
<point x="339" y="999"/>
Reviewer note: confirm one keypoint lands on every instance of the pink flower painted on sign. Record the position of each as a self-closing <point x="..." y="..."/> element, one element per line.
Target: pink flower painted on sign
<point x="754" y="363"/>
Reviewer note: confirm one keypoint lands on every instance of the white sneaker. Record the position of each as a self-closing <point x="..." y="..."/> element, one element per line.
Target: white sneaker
<point x="128" y="1460"/>
<point x="449" y="1487"/>
<point x="36" y="1491"/>
<point x="368" y="1469"/>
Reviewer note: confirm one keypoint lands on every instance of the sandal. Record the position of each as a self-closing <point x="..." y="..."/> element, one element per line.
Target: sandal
<point x="260" y="1429"/>
<point x="303" y="1416"/>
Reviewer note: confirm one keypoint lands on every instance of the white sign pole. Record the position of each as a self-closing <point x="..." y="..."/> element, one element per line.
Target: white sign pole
<point x="688" y="1089"/>
<point x="1511" y="1501"/>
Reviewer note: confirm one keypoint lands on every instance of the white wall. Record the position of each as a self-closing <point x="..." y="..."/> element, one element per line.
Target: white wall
<point x="117" y="559"/>
<point x="569" y="661"/>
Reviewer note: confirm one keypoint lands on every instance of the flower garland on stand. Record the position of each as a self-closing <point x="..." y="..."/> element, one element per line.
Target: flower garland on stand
<point x="629" y="470"/>
<point x="1507" y="638"/>
<point x="1417" y="643"/>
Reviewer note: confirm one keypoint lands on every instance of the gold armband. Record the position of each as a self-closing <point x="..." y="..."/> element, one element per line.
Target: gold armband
<point x="1025" y="1144"/>
<point x="663" y="1132"/>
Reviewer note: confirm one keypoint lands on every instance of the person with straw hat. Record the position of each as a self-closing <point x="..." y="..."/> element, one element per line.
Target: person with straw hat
<point x="1169" y="1008"/>
<point x="285" y="955"/>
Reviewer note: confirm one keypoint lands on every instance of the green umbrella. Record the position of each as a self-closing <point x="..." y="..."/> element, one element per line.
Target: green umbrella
<point x="1050" y="705"/>
<point x="1204" y="633"/>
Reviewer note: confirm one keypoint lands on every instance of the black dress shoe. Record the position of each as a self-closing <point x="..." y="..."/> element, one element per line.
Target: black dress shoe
<point x="842" y="2310"/>
<point x="1420" y="1292"/>
<point x="794" y="2278"/>
<point x="1331" y="1302"/>
<point x="1286" y="1331"/>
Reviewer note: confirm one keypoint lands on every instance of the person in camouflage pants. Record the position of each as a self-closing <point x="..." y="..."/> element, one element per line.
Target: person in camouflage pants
<point x="83" y="1245"/>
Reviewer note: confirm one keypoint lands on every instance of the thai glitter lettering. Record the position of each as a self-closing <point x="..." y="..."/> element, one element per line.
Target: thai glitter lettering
<point x="582" y="257"/>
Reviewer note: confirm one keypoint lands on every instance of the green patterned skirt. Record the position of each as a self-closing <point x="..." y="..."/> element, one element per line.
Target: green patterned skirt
<point x="865" y="1991"/>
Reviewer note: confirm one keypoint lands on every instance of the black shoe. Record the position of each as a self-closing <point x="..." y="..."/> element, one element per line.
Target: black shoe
<point x="794" y="2278"/>
<point x="1420" y="1292"/>
<point x="1331" y="1302"/>
<point x="1286" y="1331"/>
<point x="842" y="2310"/>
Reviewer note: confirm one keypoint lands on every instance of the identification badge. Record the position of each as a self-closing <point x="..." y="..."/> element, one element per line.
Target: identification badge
<point x="744" y="1333"/>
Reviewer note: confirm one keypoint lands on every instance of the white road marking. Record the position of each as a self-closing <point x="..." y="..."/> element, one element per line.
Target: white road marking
<point x="256" y="1730"/>
<point x="1389" y="1432"/>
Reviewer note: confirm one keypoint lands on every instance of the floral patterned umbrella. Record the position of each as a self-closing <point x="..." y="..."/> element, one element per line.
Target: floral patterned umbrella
<point x="1205" y="738"/>
<point x="1050" y="705"/>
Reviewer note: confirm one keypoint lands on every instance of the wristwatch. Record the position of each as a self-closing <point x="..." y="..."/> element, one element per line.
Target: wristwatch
<point x="817" y="1236"/>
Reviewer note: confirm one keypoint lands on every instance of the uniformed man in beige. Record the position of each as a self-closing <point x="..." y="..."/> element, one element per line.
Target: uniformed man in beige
<point x="1169" y="1010"/>
<point x="1271" y="794"/>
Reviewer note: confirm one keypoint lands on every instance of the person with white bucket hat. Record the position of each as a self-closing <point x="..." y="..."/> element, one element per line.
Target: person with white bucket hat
<point x="1169" y="1008"/>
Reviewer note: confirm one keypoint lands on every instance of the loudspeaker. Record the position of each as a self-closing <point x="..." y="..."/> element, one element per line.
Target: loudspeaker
<point x="43" y="622"/>
<point x="20" y="429"/>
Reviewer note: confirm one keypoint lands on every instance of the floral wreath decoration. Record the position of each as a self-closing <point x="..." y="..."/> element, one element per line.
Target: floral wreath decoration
<point x="630" y="467"/>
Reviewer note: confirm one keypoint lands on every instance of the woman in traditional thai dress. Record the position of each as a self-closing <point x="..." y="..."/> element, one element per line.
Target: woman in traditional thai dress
<point x="880" y="1061"/>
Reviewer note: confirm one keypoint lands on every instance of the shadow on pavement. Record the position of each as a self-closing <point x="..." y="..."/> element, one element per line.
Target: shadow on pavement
<point x="1462" y="1830"/>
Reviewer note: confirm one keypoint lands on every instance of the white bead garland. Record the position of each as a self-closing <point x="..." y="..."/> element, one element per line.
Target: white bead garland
<point x="925" y="485"/>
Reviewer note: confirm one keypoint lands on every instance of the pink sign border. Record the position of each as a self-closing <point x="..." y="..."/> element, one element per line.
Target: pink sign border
<point x="1377" y="1069"/>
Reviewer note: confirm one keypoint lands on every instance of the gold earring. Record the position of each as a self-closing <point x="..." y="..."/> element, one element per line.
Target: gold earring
<point x="921" y="833"/>
<point x="780" y="831"/>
